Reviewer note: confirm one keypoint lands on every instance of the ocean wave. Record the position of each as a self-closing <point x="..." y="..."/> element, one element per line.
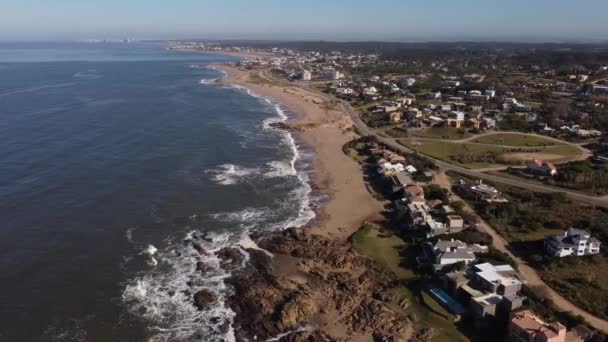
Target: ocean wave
<point x="36" y="88"/>
<point x="164" y="296"/>
<point x="88" y="75"/>
<point x="230" y="174"/>
<point x="210" y="81"/>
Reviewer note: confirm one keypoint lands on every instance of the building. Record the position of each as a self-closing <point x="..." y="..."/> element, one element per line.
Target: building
<point x="525" y="326"/>
<point x="574" y="241"/>
<point x="400" y="181"/>
<point x="306" y="75"/>
<point x="331" y="74"/>
<point x="448" y="252"/>
<point x="486" y="289"/>
<point x="542" y="168"/>
<point x="419" y="217"/>
<point x="481" y="192"/>
<point x="502" y="280"/>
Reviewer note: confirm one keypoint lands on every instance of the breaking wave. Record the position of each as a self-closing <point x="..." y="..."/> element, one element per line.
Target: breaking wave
<point x="164" y="294"/>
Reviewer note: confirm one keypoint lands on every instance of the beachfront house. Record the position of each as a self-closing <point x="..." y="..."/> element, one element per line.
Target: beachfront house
<point x="526" y="326"/>
<point x="574" y="242"/>
<point x="486" y="288"/>
<point x="448" y="252"/>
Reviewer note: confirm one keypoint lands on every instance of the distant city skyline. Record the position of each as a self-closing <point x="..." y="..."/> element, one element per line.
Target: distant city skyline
<point x="354" y="20"/>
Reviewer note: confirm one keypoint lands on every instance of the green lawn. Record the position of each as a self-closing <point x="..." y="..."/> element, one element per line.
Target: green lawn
<point x="471" y="156"/>
<point x="476" y="156"/>
<point x="512" y="139"/>
<point x="451" y="133"/>
<point x="423" y="310"/>
<point x="566" y="150"/>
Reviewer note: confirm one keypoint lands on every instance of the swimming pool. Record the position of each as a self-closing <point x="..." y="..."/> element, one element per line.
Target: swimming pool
<point x="448" y="301"/>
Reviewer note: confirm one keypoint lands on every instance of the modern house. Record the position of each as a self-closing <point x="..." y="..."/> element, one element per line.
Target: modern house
<point x="574" y="241"/>
<point x="542" y="168"/>
<point x="447" y="252"/>
<point x="525" y="326"/>
<point x="481" y="192"/>
<point x="487" y="288"/>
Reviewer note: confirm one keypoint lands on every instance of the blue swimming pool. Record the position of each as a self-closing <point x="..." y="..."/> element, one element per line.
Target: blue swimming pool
<point x="448" y="301"/>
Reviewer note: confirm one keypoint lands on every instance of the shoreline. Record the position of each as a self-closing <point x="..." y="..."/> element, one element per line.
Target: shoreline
<point x="308" y="262"/>
<point x="325" y="130"/>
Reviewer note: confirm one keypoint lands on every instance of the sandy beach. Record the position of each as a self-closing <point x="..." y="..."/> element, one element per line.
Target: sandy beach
<point x="326" y="128"/>
<point x="328" y="285"/>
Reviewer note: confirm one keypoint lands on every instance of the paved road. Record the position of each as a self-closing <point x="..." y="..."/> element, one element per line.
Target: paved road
<point x="364" y="130"/>
<point x="499" y="242"/>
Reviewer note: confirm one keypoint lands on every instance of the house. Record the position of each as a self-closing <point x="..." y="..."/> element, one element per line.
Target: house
<point x="502" y="279"/>
<point x="525" y="326"/>
<point x="390" y="169"/>
<point x="400" y="181"/>
<point x="482" y="192"/>
<point x="306" y="75"/>
<point x="414" y="193"/>
<point x="395" y="117"/>
<point x="487" y="289"/>
<point x="455" y="222"/>
<point x="573" y="242"/>
<point x="542" y="168"/>
<point x="447" y="252"/>
<point x="419" y="217"/>
<point x="490" y="92"/>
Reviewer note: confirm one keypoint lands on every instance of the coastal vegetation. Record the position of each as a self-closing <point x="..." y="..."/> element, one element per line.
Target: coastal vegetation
<point x="514" y="139"/>
<point x="581" y="176"/>
<point x="529" y="217"/>
<point x="476" y="156"/>
<point x="392" y="253"/>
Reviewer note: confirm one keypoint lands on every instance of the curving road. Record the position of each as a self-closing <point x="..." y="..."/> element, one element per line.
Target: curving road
<point x="364" y="130"/>
<point x="498" y="241"/>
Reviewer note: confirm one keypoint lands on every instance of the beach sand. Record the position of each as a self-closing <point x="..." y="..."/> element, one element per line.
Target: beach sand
<point x="325" y="127"/>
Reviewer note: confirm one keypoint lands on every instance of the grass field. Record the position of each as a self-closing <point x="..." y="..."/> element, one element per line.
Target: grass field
<point x="451" y="133"/>
<point x="462" y="154"/>
<point x="476" y="156"/>
<point x="513" y="139"/>
<point x="424" y="311"/>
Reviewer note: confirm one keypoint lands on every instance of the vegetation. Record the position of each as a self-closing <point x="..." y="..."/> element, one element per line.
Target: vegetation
<point x="444" y="132"/>
<point x="387" y="251"/>
<point x="529" y="217"/>
<point x="581" y="176"/>
<point x="513" y="139"/>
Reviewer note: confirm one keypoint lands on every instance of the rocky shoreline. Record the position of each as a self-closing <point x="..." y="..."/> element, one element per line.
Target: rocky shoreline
<point x="314" y="288"/>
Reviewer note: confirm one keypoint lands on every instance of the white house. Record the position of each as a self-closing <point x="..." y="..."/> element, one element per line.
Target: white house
<point x="573" y="242"/>
<point x="454" y="251"/>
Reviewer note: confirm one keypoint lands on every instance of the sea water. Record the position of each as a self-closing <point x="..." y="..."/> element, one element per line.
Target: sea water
<point x="117" y="159"/>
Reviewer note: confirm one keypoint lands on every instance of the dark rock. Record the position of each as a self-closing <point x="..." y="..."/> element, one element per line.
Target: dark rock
<point x="204" y="298"/>
<point x="231" y="258"/>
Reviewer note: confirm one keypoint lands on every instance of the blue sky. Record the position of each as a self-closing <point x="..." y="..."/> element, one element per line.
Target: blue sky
<point x="395" y="20"/>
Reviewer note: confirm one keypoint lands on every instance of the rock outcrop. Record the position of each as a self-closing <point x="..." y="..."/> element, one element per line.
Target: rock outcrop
<point x="204" y="298"/>
<point x="331" y="283"/>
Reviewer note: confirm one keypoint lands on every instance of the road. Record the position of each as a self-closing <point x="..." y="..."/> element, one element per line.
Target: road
<point x="532" y="277"/>
<point x="364" y="130"/>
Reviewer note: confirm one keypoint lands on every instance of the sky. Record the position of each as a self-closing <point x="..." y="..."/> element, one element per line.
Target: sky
<point x="342" y="20"/>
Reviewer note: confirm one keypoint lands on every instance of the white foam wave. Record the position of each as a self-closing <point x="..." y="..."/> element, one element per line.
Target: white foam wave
<point x="88" y="75"/>
<point x="36" y="88"/>
<point x="165" y="295"/>
<point x="230" y="174"/>
<point x="248" y="215"/>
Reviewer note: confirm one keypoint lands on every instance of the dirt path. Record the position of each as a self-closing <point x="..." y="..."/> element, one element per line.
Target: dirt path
<point x="531" y="276"/>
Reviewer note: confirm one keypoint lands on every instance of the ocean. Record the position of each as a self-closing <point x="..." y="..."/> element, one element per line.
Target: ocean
<point x="117" y="159"/>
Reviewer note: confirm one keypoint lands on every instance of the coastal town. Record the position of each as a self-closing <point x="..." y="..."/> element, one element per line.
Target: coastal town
<point x="492" y="167"/>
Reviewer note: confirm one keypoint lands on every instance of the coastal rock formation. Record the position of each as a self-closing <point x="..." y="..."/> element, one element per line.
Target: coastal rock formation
<point x="231" y="258"/>
<point x="204" y="298"/>
<point x="311" y="281"/>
